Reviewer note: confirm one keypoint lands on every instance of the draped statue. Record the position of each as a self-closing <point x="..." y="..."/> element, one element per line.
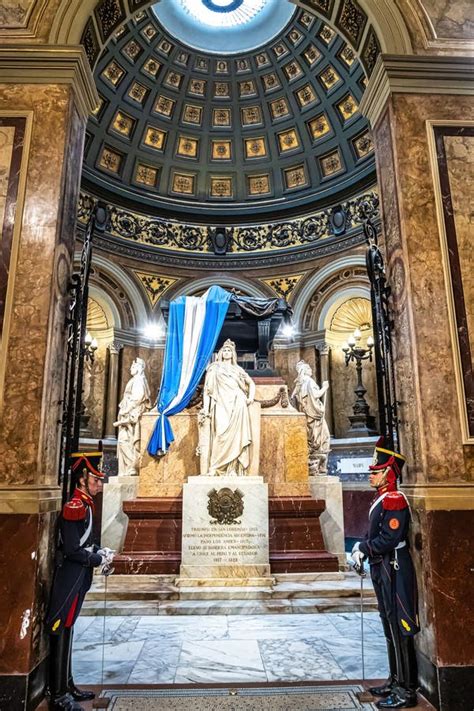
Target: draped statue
<point x="225" y="426"/>
<point x="136" y="399"/>
<point x="311" y="399"/>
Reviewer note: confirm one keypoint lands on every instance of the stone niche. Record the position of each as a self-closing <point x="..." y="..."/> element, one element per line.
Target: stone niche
<point x="153" y="539"/>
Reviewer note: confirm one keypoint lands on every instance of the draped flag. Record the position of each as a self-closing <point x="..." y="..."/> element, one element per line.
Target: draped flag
<point x="194" y="325"/>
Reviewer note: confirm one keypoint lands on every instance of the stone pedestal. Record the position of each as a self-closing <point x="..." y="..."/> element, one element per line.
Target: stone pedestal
<point x="114" y="520"/>
<point x="329" y="488"/>
<point x="225" y="532"/>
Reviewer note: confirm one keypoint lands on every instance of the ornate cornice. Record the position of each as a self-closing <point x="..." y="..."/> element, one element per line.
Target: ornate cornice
<point x="166" y="242"/>
<point x="415" y="75"/>
<point x="45" y="64"/>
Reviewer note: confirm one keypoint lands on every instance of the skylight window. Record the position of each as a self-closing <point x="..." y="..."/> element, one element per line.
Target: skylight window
<point x="224" y="26"/>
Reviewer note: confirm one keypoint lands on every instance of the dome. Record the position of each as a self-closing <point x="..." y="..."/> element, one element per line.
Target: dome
<point x="190" y="134"/>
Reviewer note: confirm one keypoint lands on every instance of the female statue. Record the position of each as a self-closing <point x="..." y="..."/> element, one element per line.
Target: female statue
<point x="135" y="401"/>
<point x="310" y="399"/>
<point x="227" y="435"/>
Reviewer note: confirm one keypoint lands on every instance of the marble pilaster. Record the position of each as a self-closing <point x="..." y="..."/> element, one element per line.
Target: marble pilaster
<point x="55" y="99"/>
<point x="406" y="98"/>
<point x="112" y="390"/>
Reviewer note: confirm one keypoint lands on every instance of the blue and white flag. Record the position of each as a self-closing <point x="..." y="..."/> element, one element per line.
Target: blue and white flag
<point x="193" y="329"/>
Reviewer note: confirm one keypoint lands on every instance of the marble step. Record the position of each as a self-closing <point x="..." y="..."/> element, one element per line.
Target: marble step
<point x="155" y="591"/>
<point x="228" y="607"/>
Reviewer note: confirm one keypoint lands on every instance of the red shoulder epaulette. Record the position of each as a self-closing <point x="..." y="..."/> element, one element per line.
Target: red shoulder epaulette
<point x="394" y="501"/>
<point x="74" y="510"/>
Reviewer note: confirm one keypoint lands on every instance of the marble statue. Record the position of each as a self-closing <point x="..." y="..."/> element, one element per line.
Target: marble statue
<point x="309" y="398"/>
<point x="225" y="425"/>
<point x="135" y="401"/>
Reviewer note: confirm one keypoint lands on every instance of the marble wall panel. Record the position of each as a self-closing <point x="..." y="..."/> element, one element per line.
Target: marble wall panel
<point x="453" y="20"/>
<point x="455" y="159"/>
<point x="24" y="590"/>
<point x="34" y="359"/>
<point x="424" y="354"/>
<point x="94" y="392"/>
<point x="14" y="13"/>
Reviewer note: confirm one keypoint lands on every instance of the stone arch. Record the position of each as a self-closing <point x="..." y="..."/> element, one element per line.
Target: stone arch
<point x="120" y="292"/>
<point x="306" y="293"/>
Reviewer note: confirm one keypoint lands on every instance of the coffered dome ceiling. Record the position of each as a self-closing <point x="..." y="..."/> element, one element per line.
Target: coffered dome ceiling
<point x="184" y="132"/>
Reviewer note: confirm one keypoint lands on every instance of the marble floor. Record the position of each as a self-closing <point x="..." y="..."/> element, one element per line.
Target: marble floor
<point x="226" y="648"/>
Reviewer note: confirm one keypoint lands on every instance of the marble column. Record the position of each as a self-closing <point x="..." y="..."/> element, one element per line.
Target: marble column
<point x="112" y="390"/>
<point x="51" y="92"/>
<point x="409" y="102"/>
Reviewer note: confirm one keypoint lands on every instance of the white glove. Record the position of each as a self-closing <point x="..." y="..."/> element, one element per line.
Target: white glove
<point x="107" y="555"/>
<point x="355" y="547"/>
<point x="357" y="558"/>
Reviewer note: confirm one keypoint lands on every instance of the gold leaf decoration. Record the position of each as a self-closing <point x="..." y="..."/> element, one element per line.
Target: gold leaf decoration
<point x="352" y="314"/>
<point x="283" y="285"/>
<point x="154" y="285"/>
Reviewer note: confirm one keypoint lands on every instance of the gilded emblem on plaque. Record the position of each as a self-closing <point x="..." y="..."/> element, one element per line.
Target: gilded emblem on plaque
<point x="331" y="164"/>
<point x="123" y="124"/>
<point x="221" y="187"/>
<point x="348" y="107"/>
<point x="221" y="90"/>
<point x="221" y="117"/>
<point x="288" y="140"/>
<point x="197" y="86"/>
<point x="149" y="32"/>
<point x="255" y="147"/>
<point x="262" y="60"/>
<point x="173" y="79"/>
<point x="327" y="34"/>
<point x="110" y="160"/>
<point x="138" y="92"/>
<point x="164" y="106"/>
<point x="222" y="66"/>
<point x="192" y="114"/>
<point x="165" y="47"/>
<point x="279" y="108"/>
<point x="347" y="55"/>
<point x="146" y="175"/>
<point x="271" y="82"/>
<point x="225" y="506"/>
<point x="293" y="70"/>
<point x="363" y="145"/>
<point x="183" y="183"/>
<point x="151" y="67"/>
<point x="182" y="58"/>
<point x="306" y="95"/>
<point x="259" y="184"/>
<point x="295" y="177"/>
<point x="155" y="138"/>
<point x="221" y="150"/>
<point x="251" y="115"/>
<point x="247" y="88"/>
<point x="131" y="50"/>
<point x="187" y="147"/>
<point x="319" y="126"/>
<point x="113" y="72"/>
<point x="311" y="54"/>
<point x="329" y="78"/>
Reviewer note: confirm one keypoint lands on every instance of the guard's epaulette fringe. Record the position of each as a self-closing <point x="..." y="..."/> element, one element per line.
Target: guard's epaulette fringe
<point x="394" y="501"/>
<point x="74" y="510"/>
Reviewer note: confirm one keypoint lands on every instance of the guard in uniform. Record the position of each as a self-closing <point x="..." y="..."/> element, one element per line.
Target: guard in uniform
<point x="393" y="577"/>
<point x="76" y="559"/>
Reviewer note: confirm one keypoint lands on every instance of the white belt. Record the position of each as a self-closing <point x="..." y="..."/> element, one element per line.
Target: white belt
<point x="401" y="545"/>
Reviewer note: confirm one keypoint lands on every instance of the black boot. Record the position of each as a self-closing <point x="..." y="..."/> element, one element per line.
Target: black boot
<point x="387" y="688"/>
<point x="76" y="693"/>
<point x="61" y="700"/>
